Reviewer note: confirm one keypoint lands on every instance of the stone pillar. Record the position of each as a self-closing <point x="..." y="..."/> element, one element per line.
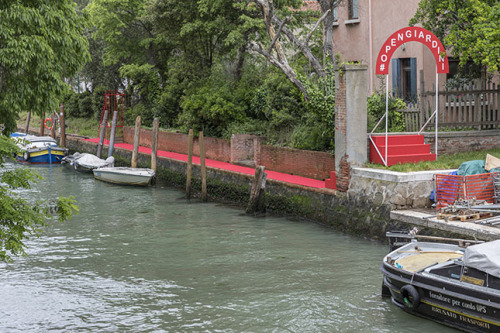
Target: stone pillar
<point x="351" y="92"/>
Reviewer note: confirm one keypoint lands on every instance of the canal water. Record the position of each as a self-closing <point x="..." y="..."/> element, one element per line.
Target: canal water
<point x="147" y="260"/>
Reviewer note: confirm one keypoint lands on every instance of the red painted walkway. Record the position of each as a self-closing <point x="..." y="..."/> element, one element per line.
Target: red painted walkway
<point x="223" y="165"/>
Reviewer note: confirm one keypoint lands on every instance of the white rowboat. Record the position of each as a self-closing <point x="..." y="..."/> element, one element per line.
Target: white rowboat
<point x="124" y="175"/>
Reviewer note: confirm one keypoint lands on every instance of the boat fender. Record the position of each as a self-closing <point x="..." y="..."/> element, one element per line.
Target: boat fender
<point x="26" y="156"/>
<point x="47" y="122"/>
<point x="411" y="297"/>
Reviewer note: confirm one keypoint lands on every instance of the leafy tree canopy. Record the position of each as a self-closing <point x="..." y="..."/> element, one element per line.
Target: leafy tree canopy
<point x="469" y="28"/>
<point x="19" y="218"/>
<point x="41" y="42"/>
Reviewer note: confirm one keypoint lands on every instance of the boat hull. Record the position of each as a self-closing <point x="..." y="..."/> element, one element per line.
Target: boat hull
<point x="52" y="155"/>
<point x="467" y="309"/>
<point x="124" y="176"/>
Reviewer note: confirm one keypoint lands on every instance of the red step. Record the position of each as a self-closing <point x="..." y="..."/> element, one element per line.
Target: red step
<point x="401" y="149"/>
<point x="399" y="139"/>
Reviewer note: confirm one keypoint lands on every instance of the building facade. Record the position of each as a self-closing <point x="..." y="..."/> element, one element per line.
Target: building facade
<point x="362" y="27"/>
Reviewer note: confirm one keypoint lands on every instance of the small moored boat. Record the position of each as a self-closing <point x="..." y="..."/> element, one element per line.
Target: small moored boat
<point x="124" y="175"/>
<point x="87" y="162"/>
<point x="453" y="285"/>
<point x="38" y="149"/>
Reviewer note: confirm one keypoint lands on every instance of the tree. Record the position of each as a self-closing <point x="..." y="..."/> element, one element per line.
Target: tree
<point x="276" y="26"/>
<point x="470" y="29"/>
<point x="41" y="43"/>
<point x="19" y="218"/>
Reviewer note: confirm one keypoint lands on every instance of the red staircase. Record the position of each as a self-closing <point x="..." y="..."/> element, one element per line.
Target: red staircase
<point x="401" y="149"/>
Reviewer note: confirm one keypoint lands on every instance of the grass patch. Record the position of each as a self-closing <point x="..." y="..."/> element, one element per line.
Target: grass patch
<point x="80" y="126"/>
<point x="446" y="161"/>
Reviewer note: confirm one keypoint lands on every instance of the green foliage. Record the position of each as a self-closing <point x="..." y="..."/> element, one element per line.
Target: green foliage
<point x="376" y="110"/>
<point x="41" y="42"/>
<point x="210" y="108"/>
<point x="147" y="86"/>
<point x="85" y="105"/>
<point x="279" y="102"/>
<point x="469" y="29"/>
<point x="79" y="105"/>
<point x="19" y="218"/>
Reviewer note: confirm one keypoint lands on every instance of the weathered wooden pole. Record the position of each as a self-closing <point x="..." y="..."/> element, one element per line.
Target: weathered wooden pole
<point x="154" y="144"/>
<point x="27" y="127"/>
<point x="257" y="194"/>
<point x="53" y="128"/>
<point x="203" y="168"/>
<point x="112" y="135"/>
<point x="189" y="164"/>
<point x="62" y="125"/>
<point x="104" y="124"/>
<point x="137" y="136"/>
<point x="42" y="124"/>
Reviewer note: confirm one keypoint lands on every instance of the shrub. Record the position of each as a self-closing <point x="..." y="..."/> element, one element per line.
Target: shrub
<point x="376" y="110"/>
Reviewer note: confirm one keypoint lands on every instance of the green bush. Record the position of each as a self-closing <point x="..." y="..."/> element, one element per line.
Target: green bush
<point x="376" y="109"/>
<point x="85" y="105"/>
<point x="71" y="105"/>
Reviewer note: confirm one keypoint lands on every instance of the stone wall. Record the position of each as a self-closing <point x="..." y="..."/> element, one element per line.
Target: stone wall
<point x="397" y="189"/>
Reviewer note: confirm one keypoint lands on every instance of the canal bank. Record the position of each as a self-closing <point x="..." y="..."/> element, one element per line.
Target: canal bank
<point x="368" y="209"/>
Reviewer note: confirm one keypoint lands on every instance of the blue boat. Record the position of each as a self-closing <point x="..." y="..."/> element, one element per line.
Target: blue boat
<point x="38" y="149"/>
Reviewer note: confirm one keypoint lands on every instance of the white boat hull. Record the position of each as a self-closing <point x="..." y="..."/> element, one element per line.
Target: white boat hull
<point x="124" y="175"/>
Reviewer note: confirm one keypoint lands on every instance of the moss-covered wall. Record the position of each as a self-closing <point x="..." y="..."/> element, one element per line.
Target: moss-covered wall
<point x="348" y="214"/>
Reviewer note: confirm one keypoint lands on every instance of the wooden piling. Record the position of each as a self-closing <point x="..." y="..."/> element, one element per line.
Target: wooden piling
<point x="154" y="144"/>
<point x="256" y="203"/>
<point x="42" y="124"/>
<point x="53" y="129"/>
<point x="104" y="124"/>
<point x="62" y="125"/>
<point x="201" y="142"/>
<point x="189" y="164"/>
<point x="137" y="135"/>
<point x="27" y="127"/>
<point x="112" y="135"/>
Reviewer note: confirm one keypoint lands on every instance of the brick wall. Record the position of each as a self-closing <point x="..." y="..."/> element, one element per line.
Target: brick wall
<point x="311" y="164"/>
<point x="454" y="142"/>
<point x="304" y="163"/>
<point x="215" y="149"/>
<point x="342" y="166"/>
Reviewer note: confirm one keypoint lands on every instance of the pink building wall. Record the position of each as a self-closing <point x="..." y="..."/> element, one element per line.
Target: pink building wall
<point x="361" y="39"/>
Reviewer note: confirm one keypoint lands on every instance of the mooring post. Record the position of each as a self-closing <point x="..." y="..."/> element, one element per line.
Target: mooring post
<point x="53" y="129"/>
<point x="154" y="144"/>
<point x="112" y="135"/>
<point x="137" y="136"/>
<point x="42" y="124"/>
<point x="62" y="125"/>
<point x="102" y="132"/>
<point x="189" y="164"/>
<point x="27" y="127"/>
<point x="203" y="168"/>
<point x="257" y="194"/>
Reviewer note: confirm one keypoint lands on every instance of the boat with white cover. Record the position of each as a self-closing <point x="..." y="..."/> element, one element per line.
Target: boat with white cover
<point x="124" y="175"/>
<point x="87" y="162"/>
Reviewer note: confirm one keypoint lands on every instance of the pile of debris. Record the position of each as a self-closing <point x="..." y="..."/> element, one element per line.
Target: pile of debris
<point x="477" y="211"/>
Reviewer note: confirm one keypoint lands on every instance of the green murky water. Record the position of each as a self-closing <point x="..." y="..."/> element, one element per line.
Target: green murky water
<point x="146" y="260"/>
